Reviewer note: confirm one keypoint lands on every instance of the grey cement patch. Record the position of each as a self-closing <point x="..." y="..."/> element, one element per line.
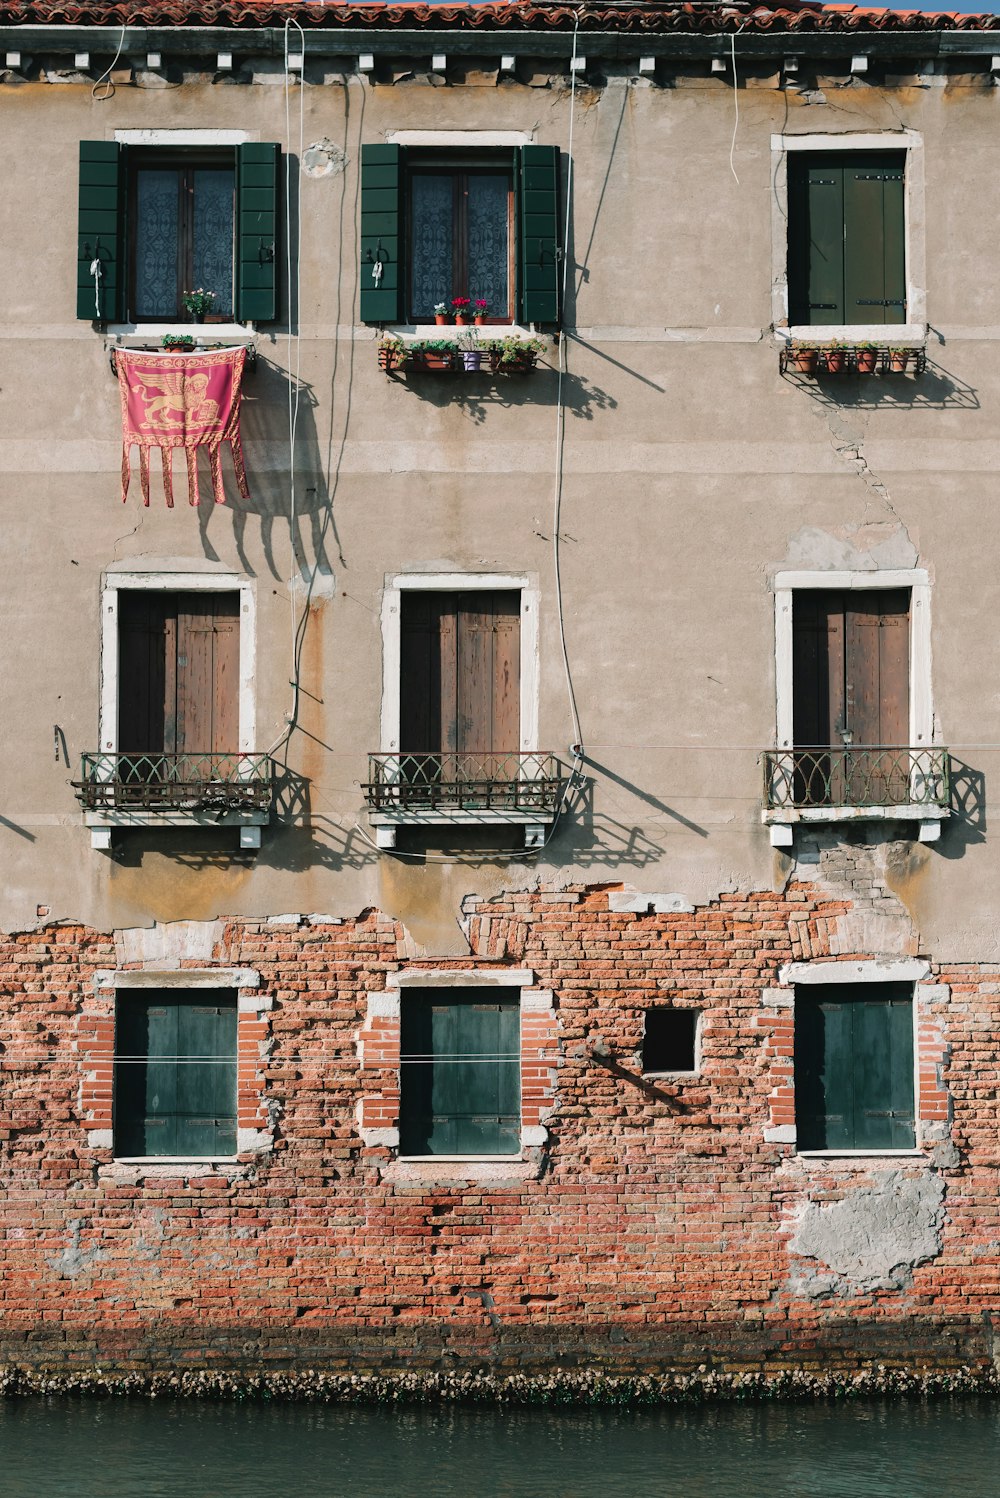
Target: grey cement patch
<point x="872" y="1238"/>
<point x="74" y="1260"/>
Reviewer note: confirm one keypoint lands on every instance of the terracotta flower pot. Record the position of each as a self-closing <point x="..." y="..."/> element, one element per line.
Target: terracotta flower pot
<point x="804" y="360"/>
<point x="480" y="321"/>
<point x="461" y="321"/>
<point x="898" y="361"/>
<point x="435" y="363"/>
<point x="441" y="319"/>
<point x="834" y="361"/>
<point x="867" y="360"/>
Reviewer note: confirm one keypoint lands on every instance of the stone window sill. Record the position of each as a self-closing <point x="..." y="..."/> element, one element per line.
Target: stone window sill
<point x="861" y="1156"/>
<point x="130" y="1170"/>
<point x="443" y="1170"/>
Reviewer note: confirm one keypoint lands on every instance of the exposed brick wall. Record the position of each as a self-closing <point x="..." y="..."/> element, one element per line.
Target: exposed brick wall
<point x="658" y="1223"/>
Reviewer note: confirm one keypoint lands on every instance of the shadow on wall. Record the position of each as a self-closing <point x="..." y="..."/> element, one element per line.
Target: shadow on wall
<point x="934" y="390"/>
<point x="967" y="823"/>
<point x="265" y="430"/>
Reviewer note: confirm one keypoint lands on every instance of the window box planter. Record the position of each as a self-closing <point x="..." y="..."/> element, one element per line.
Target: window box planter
<point x="393" y="357"/>
<point x="839" y="361"/>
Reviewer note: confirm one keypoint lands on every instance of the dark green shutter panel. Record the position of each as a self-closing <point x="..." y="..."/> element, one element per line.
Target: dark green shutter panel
<point x="854" y="1068"/>
<point x="538" y="260"/>
<point x="101" y="221"/>
<point x="382" y="237"/>
<point x="257" y="236"/>
<point x="461" y="1082"/>
<point x="874" y="261"/>
<point x="846" y="238"/>
<point x="175" y="1078"/>
<point x="815" y="239"/>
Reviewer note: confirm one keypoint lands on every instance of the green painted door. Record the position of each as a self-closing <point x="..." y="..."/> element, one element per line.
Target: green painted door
<point x="460" y="1075"/>
<point x="846" y="238"/>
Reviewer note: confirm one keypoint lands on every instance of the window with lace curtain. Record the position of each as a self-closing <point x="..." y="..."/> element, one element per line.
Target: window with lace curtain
<point x="461" y="241"/>
<point x="182" y="232"/>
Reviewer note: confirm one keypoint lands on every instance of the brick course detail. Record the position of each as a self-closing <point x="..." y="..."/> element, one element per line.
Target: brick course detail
<point x="661" y="1222"/>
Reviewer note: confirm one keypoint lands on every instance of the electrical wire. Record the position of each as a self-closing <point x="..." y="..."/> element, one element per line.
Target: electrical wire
<point x="103" y="98"/>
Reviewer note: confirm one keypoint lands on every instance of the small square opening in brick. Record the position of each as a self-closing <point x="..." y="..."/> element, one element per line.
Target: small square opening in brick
<point x="669" y="1040"/>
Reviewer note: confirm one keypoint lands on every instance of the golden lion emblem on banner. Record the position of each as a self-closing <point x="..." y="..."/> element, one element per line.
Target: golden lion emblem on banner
<point x="183" y="400"/>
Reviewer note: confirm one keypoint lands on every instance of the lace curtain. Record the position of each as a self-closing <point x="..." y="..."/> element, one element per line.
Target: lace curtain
<point x="478" y="229"/>
<point x="160" y="258"/>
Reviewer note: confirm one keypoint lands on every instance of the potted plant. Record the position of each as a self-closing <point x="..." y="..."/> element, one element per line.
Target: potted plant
<point x="803" y="357"/>
<point x="472" y="354"/>
<point x="392" y="353"/>
<point x="178" y="343"/>
<point x="460" y="306"/>
<point x="834" y="358"/>
<point x="441" y="314"/>
<point x="899" y="358"/>
<point x="866" y="358"/>
<point x="515" y="355"/>
<point x="480" y="308"/>
<point x="198" y="303"/>
<point x="435" y="355"/>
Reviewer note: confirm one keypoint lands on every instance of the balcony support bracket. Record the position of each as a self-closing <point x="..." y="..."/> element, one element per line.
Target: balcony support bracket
<point x="782" y="834"/>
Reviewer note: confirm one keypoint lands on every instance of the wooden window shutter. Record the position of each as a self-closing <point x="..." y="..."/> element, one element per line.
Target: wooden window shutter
<point x="460" y="1090"/>
<point x="257" y="231"/>
<point x="175" y="1078"/>
<point x="815" y="239"/>
<point x="100" y="223"/>
<point x="207" y="674"/>
<point x="874" y="257"/>
<point x="854" y="1067"/>
<point x="846" y="238"/>
<point x="382" y="235"/>
<point x="538" y="260"/>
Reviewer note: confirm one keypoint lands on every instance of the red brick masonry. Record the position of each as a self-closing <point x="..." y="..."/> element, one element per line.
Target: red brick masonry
<point x="650" y="1224"/>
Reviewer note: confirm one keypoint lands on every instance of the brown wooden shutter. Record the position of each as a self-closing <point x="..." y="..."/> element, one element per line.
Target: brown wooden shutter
<point x="460" y="672"/>
<point x="179" y="664"/>
<point x="851" y="667"/>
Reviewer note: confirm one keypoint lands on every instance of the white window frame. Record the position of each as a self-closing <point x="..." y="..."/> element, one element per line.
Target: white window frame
<point x="128" y="334"/>
<point x="465" y="582"/>
<point x="921" y="724"/>
<point x="870" y="971"/>
<point x="911" y="142"/>
<point x="116" y="583"/>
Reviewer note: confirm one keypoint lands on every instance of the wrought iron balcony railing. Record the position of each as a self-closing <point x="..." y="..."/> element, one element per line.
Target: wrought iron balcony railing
<point x="175" y="782"/>
<point x="859" y="776"/>
<point x="465" y="782"/>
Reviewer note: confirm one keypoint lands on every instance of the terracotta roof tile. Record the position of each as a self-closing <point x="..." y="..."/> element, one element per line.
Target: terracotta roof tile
<point x="652" y="17"/>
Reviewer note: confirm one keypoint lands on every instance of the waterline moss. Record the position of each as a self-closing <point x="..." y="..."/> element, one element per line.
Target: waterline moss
<point x="483" y="1386"/>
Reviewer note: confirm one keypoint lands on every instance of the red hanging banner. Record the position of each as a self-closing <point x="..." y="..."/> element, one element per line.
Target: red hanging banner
<point x="187" y="400"/>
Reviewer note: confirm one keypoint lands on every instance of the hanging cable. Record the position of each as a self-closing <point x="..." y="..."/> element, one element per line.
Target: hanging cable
<point x="577" y="742"/>
<point x="103" y="98"/>
<point x="736" y="104"/>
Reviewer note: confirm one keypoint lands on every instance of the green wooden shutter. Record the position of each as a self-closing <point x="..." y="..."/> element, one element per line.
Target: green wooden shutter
<point x="538" y="260"/>
<point x="175" y="1079"/>
<point x="854" y="1068"/>
<point x="100" y="223"/>
<point x="874" y="259"/>
<point x="382" y="237"/>
<point x="257" y="236"/>
<point x="461" y="1078"/>
<point x="815" y="239"/>
<point x="846" y="238"/>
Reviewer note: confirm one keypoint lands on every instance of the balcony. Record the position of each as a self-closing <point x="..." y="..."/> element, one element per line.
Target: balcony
<point x="857" y="782"/>
<point x="462" y="788"/>
<point x="175" y="790"/>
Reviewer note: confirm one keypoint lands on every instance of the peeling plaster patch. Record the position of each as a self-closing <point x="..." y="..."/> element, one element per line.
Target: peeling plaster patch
<point x="872" y="1238"/>
<point x="323" y="159"/>
<point x="624" y="901"/>
<point x="167" y="942"/>
<point x="865" y="548"/>
<point x="74" y="1260"/>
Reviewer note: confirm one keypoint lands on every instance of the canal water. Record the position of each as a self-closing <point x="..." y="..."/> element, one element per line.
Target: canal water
<point x="132" y="1448"/>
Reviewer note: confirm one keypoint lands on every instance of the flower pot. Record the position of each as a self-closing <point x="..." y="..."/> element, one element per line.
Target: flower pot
<point x="461" y="321"/>
<point x="867" y="360"/>
<point x="442" y="319"/>
<point x="391" y="359"/>
<point x="480" y="321"/>
<point x="197" y="317"/>
<point x="435" y="363"/>
<point x="834" y="361"/>
<point x="473" y="360"/>
<point x="898" y="361"/>
<point x="804" y="360"/>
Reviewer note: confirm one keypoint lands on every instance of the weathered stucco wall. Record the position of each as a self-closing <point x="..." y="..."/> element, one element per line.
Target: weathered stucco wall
<point x="692" y="471"/>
